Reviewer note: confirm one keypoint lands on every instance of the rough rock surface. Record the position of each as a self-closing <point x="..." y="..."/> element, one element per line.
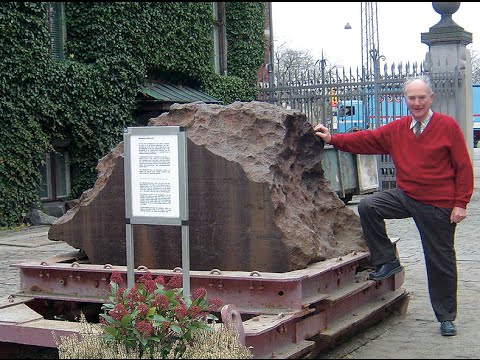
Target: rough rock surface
<point x="257" y="197"/>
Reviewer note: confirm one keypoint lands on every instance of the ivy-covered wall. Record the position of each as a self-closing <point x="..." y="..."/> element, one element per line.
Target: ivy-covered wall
<point x="112" y="49"/>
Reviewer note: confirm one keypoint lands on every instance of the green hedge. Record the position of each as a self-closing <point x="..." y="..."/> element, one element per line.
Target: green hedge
<point x="112" y="49"/>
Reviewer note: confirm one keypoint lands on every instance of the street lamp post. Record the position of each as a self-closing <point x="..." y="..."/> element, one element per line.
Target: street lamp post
<point x="327" y="97"/>
<point x="376" y="79"/>
<point x="323" y="96"/>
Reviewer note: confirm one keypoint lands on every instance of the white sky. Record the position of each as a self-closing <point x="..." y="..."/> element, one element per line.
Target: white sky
<point x="314" y="26"/>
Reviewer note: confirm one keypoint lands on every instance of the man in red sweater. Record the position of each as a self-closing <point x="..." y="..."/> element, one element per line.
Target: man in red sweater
<point x="434" y="177"/>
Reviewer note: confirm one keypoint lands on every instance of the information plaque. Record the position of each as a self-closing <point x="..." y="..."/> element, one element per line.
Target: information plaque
<point x="155" y="175"/>
<point x="156" y="186"/>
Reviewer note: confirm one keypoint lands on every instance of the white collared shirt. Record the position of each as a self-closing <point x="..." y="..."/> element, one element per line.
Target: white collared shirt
<point x="423" y="123"/>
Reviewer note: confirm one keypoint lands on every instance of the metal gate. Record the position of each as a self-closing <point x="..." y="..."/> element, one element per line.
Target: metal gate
<point x="348" y="100"/>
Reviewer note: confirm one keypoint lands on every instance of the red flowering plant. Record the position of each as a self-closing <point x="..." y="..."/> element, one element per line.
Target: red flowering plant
<point x="154" y="314"/>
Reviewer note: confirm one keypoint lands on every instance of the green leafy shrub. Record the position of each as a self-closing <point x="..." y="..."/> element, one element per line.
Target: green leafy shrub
<point x="154" y="313"/>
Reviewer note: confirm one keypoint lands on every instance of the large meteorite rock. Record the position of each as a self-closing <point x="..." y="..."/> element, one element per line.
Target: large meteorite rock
<point x="257" y="197"/>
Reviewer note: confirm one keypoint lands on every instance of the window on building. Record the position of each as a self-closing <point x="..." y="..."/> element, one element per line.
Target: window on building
<point x="55" y="176"/>
<point x="57" y="29"/>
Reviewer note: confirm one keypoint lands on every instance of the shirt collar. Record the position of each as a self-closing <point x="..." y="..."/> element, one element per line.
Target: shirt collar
<point x="424" y="122"/>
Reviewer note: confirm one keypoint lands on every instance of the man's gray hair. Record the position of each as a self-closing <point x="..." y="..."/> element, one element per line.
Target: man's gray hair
<point x="423" y="78"/>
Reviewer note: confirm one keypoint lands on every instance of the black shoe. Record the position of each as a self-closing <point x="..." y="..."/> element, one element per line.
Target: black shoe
<point x="386" y="270"/>
<point x="447" y="328"/>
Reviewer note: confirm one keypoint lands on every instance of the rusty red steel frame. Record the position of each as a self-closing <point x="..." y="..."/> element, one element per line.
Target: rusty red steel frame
<point x="278" y="315"/>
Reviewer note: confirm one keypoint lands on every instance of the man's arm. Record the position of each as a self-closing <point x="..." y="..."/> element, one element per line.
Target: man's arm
<point x="358" y="142"/>
<point x="463" y="168"/>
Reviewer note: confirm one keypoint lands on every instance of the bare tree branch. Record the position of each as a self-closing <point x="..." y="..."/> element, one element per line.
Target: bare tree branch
<point x="475" y="56"/>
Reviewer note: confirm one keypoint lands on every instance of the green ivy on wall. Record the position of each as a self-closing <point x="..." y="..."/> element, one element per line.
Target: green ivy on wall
<point x="112" y="49"/>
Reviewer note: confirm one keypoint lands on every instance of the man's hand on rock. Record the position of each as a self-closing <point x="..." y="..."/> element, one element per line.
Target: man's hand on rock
<point x="323" y="133"/>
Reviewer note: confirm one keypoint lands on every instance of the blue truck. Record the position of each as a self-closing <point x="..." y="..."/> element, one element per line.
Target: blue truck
<point x="353" y="115"/>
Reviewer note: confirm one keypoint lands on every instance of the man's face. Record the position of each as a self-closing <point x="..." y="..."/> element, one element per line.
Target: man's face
<point x="418" y="99"/>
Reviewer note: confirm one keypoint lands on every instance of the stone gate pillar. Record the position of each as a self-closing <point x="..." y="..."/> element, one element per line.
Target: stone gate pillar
<point x="449" y="65"/>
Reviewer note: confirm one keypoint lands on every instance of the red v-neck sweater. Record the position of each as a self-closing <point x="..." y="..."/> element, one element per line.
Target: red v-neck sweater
<point x="434" y="168"/>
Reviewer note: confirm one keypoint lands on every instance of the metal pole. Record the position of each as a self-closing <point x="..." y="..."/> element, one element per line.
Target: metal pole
<point x="185" y="225"/>
<point x="127" y="132"/>
<point x="376" y="80"/>
<point x="185" y="261"/>
<point x="324" y="96"/>
<point x="271" y="69"/>
<point x="376" y="70"/>
<point x="130" y="257"/>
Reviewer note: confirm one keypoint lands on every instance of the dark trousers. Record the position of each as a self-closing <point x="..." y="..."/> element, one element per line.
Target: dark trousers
<point x="438" y="241"/>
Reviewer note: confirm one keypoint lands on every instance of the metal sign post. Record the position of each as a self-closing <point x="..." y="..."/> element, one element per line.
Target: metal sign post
<point x="156" y="186"/>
